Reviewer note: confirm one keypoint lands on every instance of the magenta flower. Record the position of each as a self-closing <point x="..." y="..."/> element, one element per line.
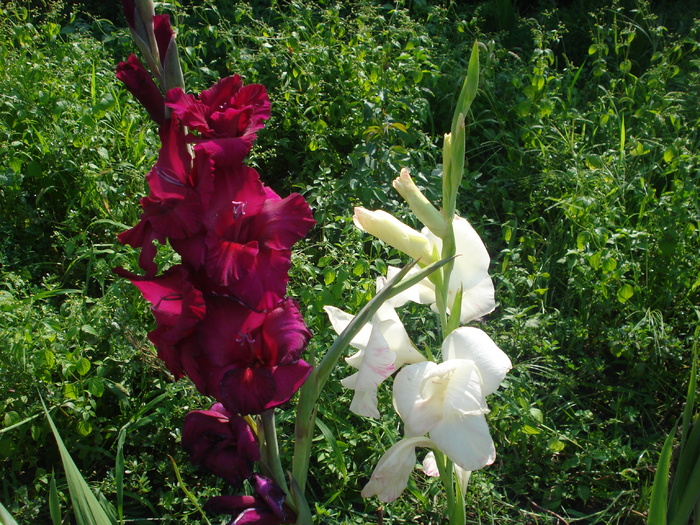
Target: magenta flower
<point x="265" y="508"/>
<point x="140" y="83"/>
<point x="227" y="109"/>
<point x="177" y="306"/>
<point x="245" y="249"/>
<point x="247" y="360"/>
<point x="249" y="240"/>
<point x="172" y="208"/>
<point x="222" y="443"/>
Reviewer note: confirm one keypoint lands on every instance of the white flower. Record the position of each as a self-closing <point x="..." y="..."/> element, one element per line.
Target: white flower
<point x="447" y="400"/>
<point x="470" y="272"/>
<point x="390" y="476"/>
<point x="383" y="346"/>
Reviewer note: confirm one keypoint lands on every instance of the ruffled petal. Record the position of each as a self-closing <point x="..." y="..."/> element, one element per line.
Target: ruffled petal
<point x="475" y="344"/>
<point x="465" y="439"/>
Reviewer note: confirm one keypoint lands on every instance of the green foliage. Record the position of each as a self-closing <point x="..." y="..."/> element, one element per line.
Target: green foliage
<point x="582" y="177"/>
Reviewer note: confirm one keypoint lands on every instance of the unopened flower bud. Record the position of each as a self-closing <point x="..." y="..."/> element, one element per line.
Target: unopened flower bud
<point x="423" y="209"/>
<point x="392" y="231"/>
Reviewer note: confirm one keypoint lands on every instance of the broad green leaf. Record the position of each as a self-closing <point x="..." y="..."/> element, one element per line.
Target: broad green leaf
<point x="625" y="293"/>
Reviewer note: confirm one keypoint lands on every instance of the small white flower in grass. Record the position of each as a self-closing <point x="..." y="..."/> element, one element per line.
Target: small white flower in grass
<point x="447" y="400"/>
<point x="383" y="347"/>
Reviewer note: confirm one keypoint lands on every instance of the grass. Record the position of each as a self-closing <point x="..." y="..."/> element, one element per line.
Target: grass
<point x="582" y="176"/>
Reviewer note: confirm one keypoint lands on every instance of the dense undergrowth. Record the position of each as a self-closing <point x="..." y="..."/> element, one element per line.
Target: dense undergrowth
<point x="582" y="179"/>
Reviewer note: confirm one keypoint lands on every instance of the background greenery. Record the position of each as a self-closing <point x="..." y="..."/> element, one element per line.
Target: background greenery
<point x="582" y="180"/>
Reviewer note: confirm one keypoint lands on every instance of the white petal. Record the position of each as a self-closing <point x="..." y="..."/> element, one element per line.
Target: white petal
<point x="465" y="439"/>
<point x="340" y="320"/>
<point x="376" y="366"/>
<point x="470" y="271"/>
<point x="419" y="415"/>
<point x="355" y="360"/>
<point x="391" y="474"/>
<point x="463" y="394"/>
<point x="423" y="292"/>
<point x="462" y="477"/>
<point x="430" y="465"/>
<point x="475" y="344"/>
<point x="364" y="403"/>
<point x="349" y="382"/>
<point x="478" y="300"/>
<point x="393" y="330"/>
<point x="394" y="232"/>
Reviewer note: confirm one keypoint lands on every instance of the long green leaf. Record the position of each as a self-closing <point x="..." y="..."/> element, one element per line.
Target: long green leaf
<point x="5" y="517"/>
<point x="659" y="490"/>
<point x="119" y="472"/>
<point x="86" y="507"/>
<point x="54" y="506"/>
<point x="689" y="456"/>
<point x="687" y="486"/>
<point x="333" y="443"/>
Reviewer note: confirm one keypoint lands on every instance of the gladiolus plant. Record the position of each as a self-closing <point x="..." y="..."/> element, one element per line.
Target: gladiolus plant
<point x="223" y="319"/>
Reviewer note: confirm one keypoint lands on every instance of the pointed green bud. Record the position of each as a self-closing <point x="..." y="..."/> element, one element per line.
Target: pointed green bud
<point x="421" y="207"/>
<point x="469" y="87"/>
<point x="139" y="16"/>
<point x="172" y="71"/>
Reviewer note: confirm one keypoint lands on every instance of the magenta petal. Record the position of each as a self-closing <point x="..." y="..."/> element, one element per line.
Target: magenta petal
<point x="223" y="444"/>
<point x="284" y="222"/>
<point x="288" y="379"/>
<point x="271" y="494"/>
<point x="167" y="351"/>
<point x="284" y="333"/>
<point x="164" y="35"/>
<point x="227" y="151"/>
<point x="230" y="504"/>
<point x="140" y="83"/>
<point x="176" y="303"/>
<point x="142" y="236"/>
<point x="247" y="390"/>
<point x="221" y="93"/>
<point x="188" y="109"/>
<point x="257" y="516"/>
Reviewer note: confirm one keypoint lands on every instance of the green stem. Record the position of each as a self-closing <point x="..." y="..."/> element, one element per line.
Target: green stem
<point x="272" y="453"/>
<point x="455" y="500"/>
